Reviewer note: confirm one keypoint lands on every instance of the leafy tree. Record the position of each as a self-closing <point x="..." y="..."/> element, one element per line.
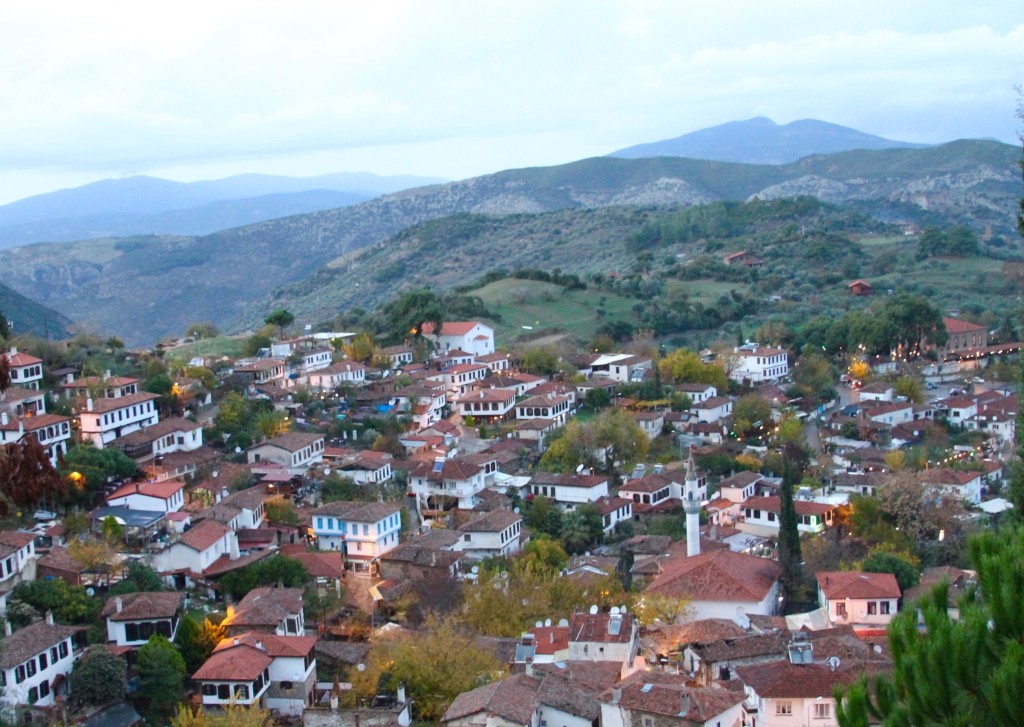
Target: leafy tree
<point x="197" y="641"/>
<point x="336" y="489"/>
<point x="99" y="676"/>
<point x="5" y="328"/>
<point x="233" y="414"/>
<point x="568" y="449"/>
<point x="910" y="387"/>
<point x="96" y="555"/>
<point x="617" y="433"/>
<point x="751" y="412"/>
<point x="281" y="318"/>
<point x="581" y="528"/>
<point x="542" y="360"/>
<point x="542" y="552"/>
<point x="436" y="665"/>
<point x="953" y="672"/>
<point x="202" y="330"/>
<point x="673" y="526"/>
<point x="280" y="510"/>
<point x="69" y="604"/>
<point x="231" y="715"/>
<point x="654" y="608"/>
<point x="901" y="565"/>
<point x="683" y="366"/>
<point x="272" y="422"/>
<point x="162" y="674"/>
<point x="407" y="314"/>
<point x="96" y="467"/>
<point x="813" y="376"/>
<point x="361" y="348"/>
<point x="27" y="476"/>
<point x="138" y="578"/>
<point x="543" y="516"/>
<point x="255" y="343"/>
<point x="290" y="572"/>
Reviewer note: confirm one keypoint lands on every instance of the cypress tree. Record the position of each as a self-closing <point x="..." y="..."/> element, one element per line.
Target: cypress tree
<point x="789" y="536"/>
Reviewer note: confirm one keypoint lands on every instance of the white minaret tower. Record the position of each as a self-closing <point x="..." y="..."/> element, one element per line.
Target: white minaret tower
<point x="691" y="505"/>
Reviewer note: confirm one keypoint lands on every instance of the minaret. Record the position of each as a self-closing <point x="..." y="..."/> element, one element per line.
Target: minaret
<point x="691" y="505"/>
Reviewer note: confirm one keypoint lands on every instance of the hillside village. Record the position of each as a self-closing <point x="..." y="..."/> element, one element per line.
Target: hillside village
<point x="602" y="539"/>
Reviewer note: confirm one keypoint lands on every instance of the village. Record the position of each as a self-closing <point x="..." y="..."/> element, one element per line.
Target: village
<point x="603" y="555"/>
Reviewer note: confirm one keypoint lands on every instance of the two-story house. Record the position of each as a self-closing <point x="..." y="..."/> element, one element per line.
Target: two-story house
<point x="470" y="336"/>
<point x="165" y="496"/>
<point x="764" y="512"/>
<point x="176" y="434"/>
<point x="362" y="531"/>
<point x="568" y="490"/>
<point x="101" y="421"/>
<point x="598" y="636"/>
<point x="26" y="370"/>
<point x="658" y="698"/>
<point x="338" y="374"/>
<point x="298" y="451"/>
<point x="16" y="550"/>
<point x="459" y="379"/>
<point x="487" y="405"/>
<point x="713" y="409"/>
<point x="133" y="617"/>
<point x="546" y="406"/>
<point x="36" y="661"/>
<point x="259" y="372"/>
<point x="496" y="534"/>
<point x="366" y="467"/>
<point x="53" y="432"/>
<point x="184" y="560"/>
<point x="756" y="364"/>
<point x="267" y="609"/>
<point x="444" y="483"/>
<point x="858" y="599"/>
<point x="697" y="392"/>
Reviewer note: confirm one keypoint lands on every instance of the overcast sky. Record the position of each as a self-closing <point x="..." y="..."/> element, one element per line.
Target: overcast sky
<point x="201" y="90"/>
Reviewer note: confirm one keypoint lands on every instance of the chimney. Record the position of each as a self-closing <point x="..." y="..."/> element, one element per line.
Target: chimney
<point x="616" y="694"/>
<point x="49" y="617"/>
<point x="401" y="694"/>
<point x="118" y="604"/>
<point x="88" y="404"/>
<point x="4" y="419"/>
<point x="7" y="628"/>
<point x="529" y="667"/>
<point x="684" y="705"/>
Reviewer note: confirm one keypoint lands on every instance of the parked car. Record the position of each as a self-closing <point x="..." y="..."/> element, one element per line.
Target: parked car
<point x="931" y="385"/>
<point x="977" y="380"/>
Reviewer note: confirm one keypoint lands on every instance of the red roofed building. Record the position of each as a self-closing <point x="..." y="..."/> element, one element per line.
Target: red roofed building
<point x="613" y="636"/>
<point x="763" y="512"/>
<point x="26" y="370"/>
<point x="859" y="599"/>
<point x="720" y="582"/>
<point x="442" y="483"/>
<point x="196" y="550"/>
<point x="470" y="336"/>
<point x="166" y="496"/>
<point x="660" y="698"/>
<point x="52" y="431"/>
<point x="963" y="336"/>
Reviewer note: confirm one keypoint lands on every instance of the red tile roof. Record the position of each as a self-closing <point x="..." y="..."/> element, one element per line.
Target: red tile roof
<point x="450" y="328"/>
<point x="241" y="663"/>
<point x="597" y="627"/>
<point x="852" y="584"/>
<point x="164" y="490"/>
<point x="204" y="535"/>
<point x="142" y="606"/>
<point x="955" y="325"/>
<point x="718" y="576"/>
<point x="664" y="694"/>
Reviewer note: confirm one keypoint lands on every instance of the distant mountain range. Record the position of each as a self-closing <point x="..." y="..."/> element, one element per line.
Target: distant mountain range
<point x="148" y="205"/>
<point x="28" y="316"/>
<point x="147" y="287"/>
<point x="762" y="141"/>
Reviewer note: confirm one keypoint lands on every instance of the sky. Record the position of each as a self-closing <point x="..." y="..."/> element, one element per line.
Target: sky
<point x="455" y="89"/>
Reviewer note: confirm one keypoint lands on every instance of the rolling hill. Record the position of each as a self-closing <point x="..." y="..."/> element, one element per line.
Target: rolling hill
<point x="144" y="288"/>
<point x="27" y="316"/>
<point x="762" y="141"/>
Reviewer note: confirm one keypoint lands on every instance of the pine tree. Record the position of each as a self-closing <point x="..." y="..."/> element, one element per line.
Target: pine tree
<point x="789" y="535"/>
<point x="968" y="671"/>
<point x="162" y="673"/>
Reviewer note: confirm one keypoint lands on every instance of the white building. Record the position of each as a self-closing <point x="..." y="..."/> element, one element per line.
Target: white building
<point x="176" y="434"/>
<point x="470" y="336"/>
<point x="494" y="535"/>
<point x="52" y="431"/>
<point x="26" y="370"/>
<point x="568" y="490"/>
<point x="858" y="599"/>
<point x="16" y="550"/>
<point x="297" y="451"/>
<point x="446" y="482"/>
<point x="33" y="658"/>
<point x="363" y="531"/>
<point x="165" y="496"/>
<point x="196" y="550"/>
<point x="756" y="364"/>
<point x="104" y="420"/>
<point x="335" y="375"/>
<point x="133" y="617"/>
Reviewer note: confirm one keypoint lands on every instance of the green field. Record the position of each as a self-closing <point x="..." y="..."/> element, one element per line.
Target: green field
<point x="530" y="308"/>
<point x="230" y="346"/>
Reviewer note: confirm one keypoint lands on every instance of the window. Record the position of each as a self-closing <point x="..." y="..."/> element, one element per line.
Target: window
<point x="872" y="608"/>
<point x="648" y="721"/>
<point x="822" y="710"/>
<point x="209" y="690"/>
<point x="841" y="609"/>
<point x="883" y="607"/>
<point x="44" y="689"/>
<point x="783" y="708"/>
<point x="242" y="691"/>
<point x="19" y="673"/>
<point x="287" y="685"/>
<point x="63" y="649"/>
<point x="223" y="691"/>
<point x="30" y="667"/>
<point x="33" y="695"/>
<point x="43" y="663"/>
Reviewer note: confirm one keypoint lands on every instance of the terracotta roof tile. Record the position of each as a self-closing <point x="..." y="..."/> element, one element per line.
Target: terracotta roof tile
<point x="242" y="663"/>
<point x="718" y="576"/>
<point x="33" y="639"/>
<point x="852" y="584"/>
<point x="204" y="535"/>
<point x="141" y="606"/>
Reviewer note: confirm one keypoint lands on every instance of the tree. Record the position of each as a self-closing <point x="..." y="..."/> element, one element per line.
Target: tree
<point x="544" y="553"/>
<point x="407" y="315"/>
<point x="256" y="343"/>
<point x="335" y="489"/>
<point x="751" y="413"/>
<point x="435" y="665"/>
<point x="653" y="608"/>
<point x="202" y="330"/>
<point x="69" y="604"/>
<point x="618" y="434"/>
<point x="581" y="528"/>
<point x="683" y="366"/>
<point x="281" y="318"/>
<point x="138" y="578"/>
<point x="280" y="510"/>
<point x="271" y="423"/>
<point x="953" y="672"/>
<point x="5" y="328"/>
<point x="197" y="641"/>
<point x="230" y="715"/>
<point x="360" y="348"/>
<point x="162" y="674"/>
<point x="95" y="468"/>
<point x="96" y="555"/>
<point x="99" y="676"/>
<point x="789" y="545"/>
<point x="902" y="565"/>
<point x="27" y="476"/>
<point x="289" y="572"/>
<point x="910" y="387"/>
<point x="542" y="360"/>
<point x="233" y="414"/>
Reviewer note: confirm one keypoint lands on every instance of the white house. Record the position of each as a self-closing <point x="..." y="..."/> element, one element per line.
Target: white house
<point x="764" y="512"/>
<point x="424" y="402"/>
<point x="16" y="550"/>
<point x="460" y="379"/>
<point x="697" y="392"/>
<point x="967" y="485"/>
<point x="614" y="510"/>
<point x="891" y="414"/>
<point x="242" y="510"/>
<point x="133" y="617"/>
<point x="234" y="674"/>
<point x="297" y="451"/>
<point x="785" y="694"/>
<point x="487" y="405"/>
<point x="176" y="434"/>
<point x="720" y="582"/>
<point x="546" y="406"/>
<point x="196" y="550"/>
<point x="35" y="663"/>
<point x="165" y="496"/>
<point x="568" y="490"/>
<point x="496" y="534"/>
<point x="446" y="482"/>
<point x="363" y="531"/>
<point x="756" y="364"/>
<point x="104" y="420"/>
<point x="26" y="370"/>
<point x="858" y="599"/>
<point x="597" y="636"/>
<point x="366" y="467"/>
<point x="471" y="336"/>
<point x="100" y="387"/>
<point x="52" y="431"/>
<point x="337" y="374"/>
<point x="877" y="391"/>
<point x="267" y="609"/>
<point x="713" y="409"/>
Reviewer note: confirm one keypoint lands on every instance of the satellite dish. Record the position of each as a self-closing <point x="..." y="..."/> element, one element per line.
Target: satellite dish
<point x="593" y="610"/>
<point x="475" y="569"/>
<point x="547" y="622"/>
<point x="504" y="575"/>
<point x="90" y="591"/>
<point x="361" y="666"/>
<point x="622" y="609"/>
<point x="563" y="623"/>
<point x="615" y="610"/>
<point x="538" y="625"/>
<point x="516" y="511"/>
<point x="238" y="450"/>
<point x="833" y="662"/>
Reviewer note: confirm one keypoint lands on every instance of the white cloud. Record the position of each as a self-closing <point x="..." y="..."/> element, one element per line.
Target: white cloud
<point x="456" y="88"/>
